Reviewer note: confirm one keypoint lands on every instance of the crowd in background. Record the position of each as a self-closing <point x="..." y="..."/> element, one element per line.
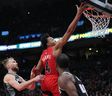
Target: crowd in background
<point x="95" y="73"/>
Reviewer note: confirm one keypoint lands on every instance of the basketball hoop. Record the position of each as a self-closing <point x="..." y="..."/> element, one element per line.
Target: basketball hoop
<point x="99" y="21"/>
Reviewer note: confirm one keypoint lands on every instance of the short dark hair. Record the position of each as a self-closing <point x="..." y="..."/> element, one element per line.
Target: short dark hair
<point x="62" y="61"/>
<point x="44" y="40"/>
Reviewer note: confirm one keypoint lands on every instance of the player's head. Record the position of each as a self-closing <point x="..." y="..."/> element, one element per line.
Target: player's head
<point x="62" y="61"/>
<point x="10" y="63"/>
<point x="47" y="41"/>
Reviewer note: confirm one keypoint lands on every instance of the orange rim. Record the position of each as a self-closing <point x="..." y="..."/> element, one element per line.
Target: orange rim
<point x="103" y="15"/>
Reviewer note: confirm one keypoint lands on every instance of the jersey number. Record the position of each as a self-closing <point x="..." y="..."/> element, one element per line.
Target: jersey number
<point x="47" y="68"/>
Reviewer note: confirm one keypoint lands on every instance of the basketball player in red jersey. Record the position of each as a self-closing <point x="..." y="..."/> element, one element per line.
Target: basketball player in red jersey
<point x="52" y="49"/>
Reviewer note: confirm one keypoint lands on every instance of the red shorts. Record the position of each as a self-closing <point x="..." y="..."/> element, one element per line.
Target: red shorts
<point x="50" y="83"/>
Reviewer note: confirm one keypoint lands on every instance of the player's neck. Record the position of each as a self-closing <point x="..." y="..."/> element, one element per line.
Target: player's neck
<point x="50" y="46"/>
<point x="11" y="71"/>
<point x="63" y="70"/>
<point x="60" y="71"/>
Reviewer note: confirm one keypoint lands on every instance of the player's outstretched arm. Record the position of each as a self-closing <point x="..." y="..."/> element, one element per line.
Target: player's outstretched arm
<point x="39" y="67"/>
<point x="24" y="85"/>
<point x="71" y="27"/>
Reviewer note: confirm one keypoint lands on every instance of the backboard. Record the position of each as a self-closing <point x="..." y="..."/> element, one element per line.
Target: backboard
<point x="104" y="6"/>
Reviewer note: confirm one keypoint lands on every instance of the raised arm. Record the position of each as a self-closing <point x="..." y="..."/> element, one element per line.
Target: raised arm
<point x="70" y="29"/>
<point x="10" y="79"/>
<point x="39" y="67"/>
<point x="31" y="86"/>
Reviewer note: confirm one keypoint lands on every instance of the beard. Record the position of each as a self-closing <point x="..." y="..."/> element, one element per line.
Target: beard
<point x="15" y="69"/>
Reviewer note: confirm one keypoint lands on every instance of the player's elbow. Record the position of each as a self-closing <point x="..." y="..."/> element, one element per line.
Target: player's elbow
<point x="38" y="71"/>
<point x="20" y="88"/>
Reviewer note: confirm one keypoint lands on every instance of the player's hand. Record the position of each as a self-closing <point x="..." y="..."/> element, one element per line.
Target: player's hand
<point x="38" y="78"/>
<point x="81" y="8"/>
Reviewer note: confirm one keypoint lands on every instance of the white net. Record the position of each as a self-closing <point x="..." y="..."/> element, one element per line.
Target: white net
<point x="98" y="20"/>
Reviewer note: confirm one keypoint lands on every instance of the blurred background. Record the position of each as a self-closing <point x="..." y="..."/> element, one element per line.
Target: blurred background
<point x="22" y="22"/>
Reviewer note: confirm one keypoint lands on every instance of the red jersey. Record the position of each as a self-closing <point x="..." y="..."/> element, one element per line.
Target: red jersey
<point x="49" y="62"/>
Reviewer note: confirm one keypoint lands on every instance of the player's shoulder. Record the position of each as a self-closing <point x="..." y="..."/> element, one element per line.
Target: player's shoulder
<point x="65" y="76"/>
<point x="43" y="53"/>
<point x="7" y="77"/>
